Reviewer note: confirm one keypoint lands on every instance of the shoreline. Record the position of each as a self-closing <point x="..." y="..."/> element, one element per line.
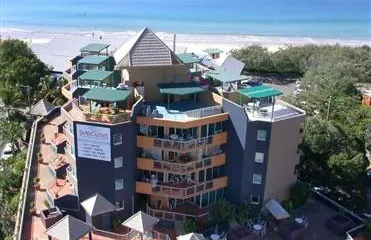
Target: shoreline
<point x="55" y="47"/>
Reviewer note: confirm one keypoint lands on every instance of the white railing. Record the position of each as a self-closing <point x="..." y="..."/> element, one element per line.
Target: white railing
<point x="175" y="144"/>
<point x="171" y="215"/>
<point x="204" y="112"/>
<point x="183" y="192"/>
<point x="25" y="183"/>
<point x="181" y="167"/>
<point x="132" y="235"/>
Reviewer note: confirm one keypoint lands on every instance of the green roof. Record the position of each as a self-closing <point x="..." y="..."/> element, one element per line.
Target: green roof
<point x="94" y="47"/>
<point x="212" y="50"/>
<point x="188" y="58"/>
<point x="179" y="88"/>
<point x="92" y="59"/>
<point x="95" y="75"/>
<point x="106" y="95"/>
<point x="224" y="76"/>
<point x="261" y="91"/>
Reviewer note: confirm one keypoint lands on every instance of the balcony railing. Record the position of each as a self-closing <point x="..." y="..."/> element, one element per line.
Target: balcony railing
<point x="132" y="235"/>
<point x="69" y="154"/>
<point x="204" y="112"/>
<point x="171" y="215"/>
<point x="181" y="168"/>
<point x="182" y="145"/>
<point x="68" y="134"/>
<point x="71" y="177"/>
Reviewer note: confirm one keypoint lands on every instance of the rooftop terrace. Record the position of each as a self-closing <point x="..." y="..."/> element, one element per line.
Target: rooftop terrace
<point x="180" y="111"/>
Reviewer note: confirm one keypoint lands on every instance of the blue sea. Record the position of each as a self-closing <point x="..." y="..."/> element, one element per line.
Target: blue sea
<point x="310" y="18"/>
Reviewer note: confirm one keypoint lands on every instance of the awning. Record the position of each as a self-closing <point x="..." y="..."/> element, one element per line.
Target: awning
<point x="92" y="59"/>
<point x="69" y="228"/>
<point x="188" y="58"/>
<point x="276" y="209"/>
<point x="140" y="222"/>
<point x="107" y="95"/>
<point x="180" y="88"/>
<point x="225" y="77"/>
<point x="97" y="205"/>
<point x="94" y="47"/>
<point x="95" y="75"/>
<point x="191" y="236"/>
<point x="258" y="92"/>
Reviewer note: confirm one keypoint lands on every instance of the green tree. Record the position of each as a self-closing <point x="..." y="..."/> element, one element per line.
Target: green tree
<point x="300" y="194"/>
<point x="11" y="99"/>
<point x="10" y="132"/>
<point x="191" y="225"/>
<point x="255" y="57"/>
<point x="19" y="65"/>
<point x="222" y="211"/>
<point x="243" y="212"/>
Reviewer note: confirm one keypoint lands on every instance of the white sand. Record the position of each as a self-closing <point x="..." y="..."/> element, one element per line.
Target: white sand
<point x="54" y="48"/>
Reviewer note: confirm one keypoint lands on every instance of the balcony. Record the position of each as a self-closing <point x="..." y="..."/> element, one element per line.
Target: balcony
<point x="71" y="176"/>
<point x="180" y="190"/>
<point x="57" y="139"/>
<point x="179" y="213"/>
<point x="57" y="162"/>
<point x="150" y="142"/>
<point x="70" y="156"/>
<point x="68" y="134"/>
<point x="81" y="112"/>
<point x="179" y="167"/>
<point x="132" y="235"/>
<point x="59" y="188"/>
<point x="181" y="115"/>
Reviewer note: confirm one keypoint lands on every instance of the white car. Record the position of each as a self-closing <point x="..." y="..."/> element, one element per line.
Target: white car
<point x="7" y="151"/>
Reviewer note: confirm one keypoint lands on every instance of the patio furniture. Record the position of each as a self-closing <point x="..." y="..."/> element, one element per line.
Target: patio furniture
<point x="214" y="237"/>
<point x="257" y="228"/>
<point x="50" y="216"/>
<point x="299" y="220"/>
<point x="173" y="136"/>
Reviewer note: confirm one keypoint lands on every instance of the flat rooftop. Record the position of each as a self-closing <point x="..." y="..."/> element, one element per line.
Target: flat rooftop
<point x="281" y="110"/>
<point x="181" y="111"/>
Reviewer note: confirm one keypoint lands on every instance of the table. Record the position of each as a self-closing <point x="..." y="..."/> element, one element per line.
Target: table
<point x="173" y="136"/>
<point x="257" y="227"/>
<point x="299" y="220"/>
<point x="214" y="236"/>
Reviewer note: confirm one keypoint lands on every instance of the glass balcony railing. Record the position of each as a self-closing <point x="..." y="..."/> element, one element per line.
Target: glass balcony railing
<point x="182" y="145"/>
<point x="181" y="167"/>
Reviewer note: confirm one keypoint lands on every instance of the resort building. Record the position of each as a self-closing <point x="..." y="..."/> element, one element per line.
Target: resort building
<point x="147" y="129"/>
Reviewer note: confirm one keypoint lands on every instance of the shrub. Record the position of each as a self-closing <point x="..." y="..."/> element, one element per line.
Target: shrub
<point x="116" y="222"/>
<point x="191" y="225"/>
<point x="287" y="204"/>
<point x="46" y="203"/>
<point x="300" y="193"/>
<point x="36" y="180"/>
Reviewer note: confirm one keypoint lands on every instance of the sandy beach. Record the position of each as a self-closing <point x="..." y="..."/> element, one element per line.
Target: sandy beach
<point x="54" y="48"/>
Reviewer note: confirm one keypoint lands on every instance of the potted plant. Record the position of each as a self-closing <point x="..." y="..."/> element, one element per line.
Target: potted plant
<point x="42" y="138"/>
<point x="32" y="208"/>
<point x="40" y="157"/>
<point x="36" y="183"/>
<point x="46" y="203"/>
<point x="110" y="117"/>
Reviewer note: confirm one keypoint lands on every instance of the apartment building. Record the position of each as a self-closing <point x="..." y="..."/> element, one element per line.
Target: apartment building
<point x="145" y="128"/>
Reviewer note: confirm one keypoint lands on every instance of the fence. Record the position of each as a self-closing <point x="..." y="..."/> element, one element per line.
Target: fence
<point x="25" y="183"/>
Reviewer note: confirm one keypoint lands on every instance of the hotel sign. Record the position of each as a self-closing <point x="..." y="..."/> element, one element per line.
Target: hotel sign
<point x="93" y="142"/>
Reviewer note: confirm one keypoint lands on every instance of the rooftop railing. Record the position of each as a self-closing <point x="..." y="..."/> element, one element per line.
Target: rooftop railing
<point x="197" y="113"/>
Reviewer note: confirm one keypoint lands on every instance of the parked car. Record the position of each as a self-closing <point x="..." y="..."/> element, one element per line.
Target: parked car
<point x="7" y="151"/>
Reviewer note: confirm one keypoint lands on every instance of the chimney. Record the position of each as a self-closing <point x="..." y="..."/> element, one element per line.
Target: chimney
<point x="174" y="41"/>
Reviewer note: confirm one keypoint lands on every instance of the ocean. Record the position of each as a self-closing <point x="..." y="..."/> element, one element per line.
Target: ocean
<point x="350" y="19"/>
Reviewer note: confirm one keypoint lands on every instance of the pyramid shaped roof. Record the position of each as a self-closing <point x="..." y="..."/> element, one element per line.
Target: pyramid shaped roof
<point x="140" y="222"/>
<point x="69" y="228"/>
<point x="41" y="108"/>
<point x="97" y="205"/>
<point x="191" y="236"/>
<point x="145" y="49"/>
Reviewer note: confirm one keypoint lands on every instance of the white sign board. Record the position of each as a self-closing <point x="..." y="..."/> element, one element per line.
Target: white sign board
<point x="93" y="142"/>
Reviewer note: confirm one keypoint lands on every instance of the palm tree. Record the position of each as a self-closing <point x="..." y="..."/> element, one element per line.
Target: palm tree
<point x="10" y="132"/>
<point x="11" y="98"/>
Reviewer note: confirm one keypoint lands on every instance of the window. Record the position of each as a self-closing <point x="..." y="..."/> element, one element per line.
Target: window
<point x="201" y="176"/>
<point x="117" y="139"/>
<point x="254" y="199"/>
<point x="218" y="127"/>
<point x="261" y="136"/>
<point x="118" y="162"/>
<point x="203" y="130"/>
<point x="257" y="178"/>
<point x="119" y="184"/>
<point x="259" y="157"/>
<point x="211" y="129"/>
<point x="120" y="205"/>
